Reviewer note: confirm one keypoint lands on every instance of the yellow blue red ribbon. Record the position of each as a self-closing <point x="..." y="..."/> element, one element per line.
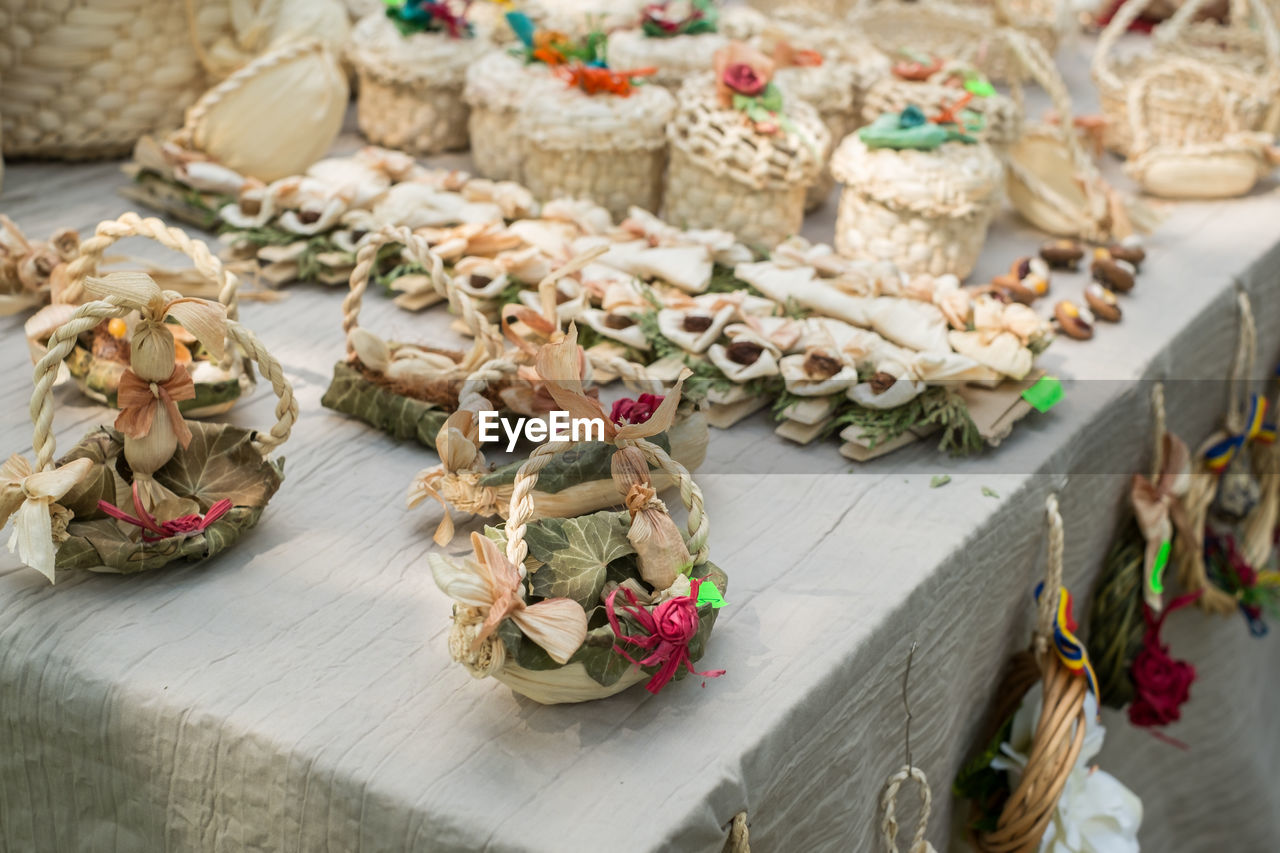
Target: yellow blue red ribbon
<point x="1070" y="650"/>
<point x="1220" y="454"/>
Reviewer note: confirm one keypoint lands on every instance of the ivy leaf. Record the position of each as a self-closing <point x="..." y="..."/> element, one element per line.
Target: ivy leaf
<point x="576" y="553"/>
<point x="220" y="463"/>
<point x="400" y="417"/>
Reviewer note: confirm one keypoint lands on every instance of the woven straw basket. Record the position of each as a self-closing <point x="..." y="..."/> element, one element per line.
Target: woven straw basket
<point x="1001" y="115"/>
<point x="411" y="86"/>
<point x="568" y="682"/>
<point x="218" y="386"/>
<point x="926" y="211"/>
<point x="1187" y="107"/>
<point x="1225" y="166"/>
<point x="219" y="457"/>
<point x="608" y="148"/>
<point x="85" y="79"/>
<point x="831" y="89"/>
<point x="496" y="87"/>
<point x="964" y="32"/>
<point x="723" y="174"/>
<point x="676" y="58"/>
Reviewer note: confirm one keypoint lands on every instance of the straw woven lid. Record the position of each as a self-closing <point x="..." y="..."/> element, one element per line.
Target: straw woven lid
<point x="954" y="179"/>
<point x="724" y="142"/>
<point x="378" y="46"/>
<point x="829" y="87"/>
<point x="675" y="57"/>
<point x="503" y="81"/>
<point x="566" y="118"/>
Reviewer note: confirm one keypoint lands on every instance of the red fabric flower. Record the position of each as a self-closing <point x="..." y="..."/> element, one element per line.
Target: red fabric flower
<point x="670" y="627"/>
<point x="743" y="79"/>
<point x="635" y="411"/>
<point x="1161" y="684"/>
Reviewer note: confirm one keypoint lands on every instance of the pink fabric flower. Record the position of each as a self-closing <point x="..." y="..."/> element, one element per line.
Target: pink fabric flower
<point x="635" y="411"/>
<point x="744" y="79"/>
<point x="670" y="627"/>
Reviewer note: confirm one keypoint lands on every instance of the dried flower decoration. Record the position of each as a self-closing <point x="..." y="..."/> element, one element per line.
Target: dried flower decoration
<point x="431" y="16"/>
<point x="680" y="18"/>
<point x="31" y="498"/>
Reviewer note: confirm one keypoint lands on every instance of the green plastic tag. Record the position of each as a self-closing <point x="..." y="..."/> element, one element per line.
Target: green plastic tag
<point x="1045" y="394"/>
<point x="708" y="594"/>
<point x="1157" y="570"/>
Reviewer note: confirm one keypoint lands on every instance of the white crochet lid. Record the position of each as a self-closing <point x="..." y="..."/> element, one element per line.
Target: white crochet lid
<point x="566" y="118"/>
<point x="952" y="179"/>
<point x="500" y="80"/>
<point x="724" y="142"/>
<point x="675" y="58"/>
<point x="379" y="47"/>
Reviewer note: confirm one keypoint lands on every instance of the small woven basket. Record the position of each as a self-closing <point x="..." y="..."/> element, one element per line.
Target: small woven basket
<point x="926" y="211"/>
<point x="218" y="386"/>
<point x="676" y="58"/>
<point x="607" y="148"/>
<point x="723" y="174"/>
<point x="1002" y="116"/>
<point x="571" y="681"/>
<point x="410" y="94"/>
<point x="222" y="464"/>
<point x="497" y="85"/>
<point x="1207" y="90"/>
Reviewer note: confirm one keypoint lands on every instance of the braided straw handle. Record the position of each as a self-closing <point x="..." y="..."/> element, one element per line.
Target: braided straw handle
<point x="87" y="317"/>
<point x="889" y="805"/>
<point x="1118" y="26"/>
<point x="1243" y="365"/>
<point x="130" y="224"/>
<point x="1137" y="96"/>
<point x="1047" y="607"/>
<point x="1238" y="20"/>
<point x="419" y="249"/>
<point x="185" y="136"/>
<point x="522" y="504"/>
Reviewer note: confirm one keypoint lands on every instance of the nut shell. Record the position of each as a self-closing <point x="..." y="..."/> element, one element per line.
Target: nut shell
<point x="1102" y="303"/>
<point x="1073" y="322"/>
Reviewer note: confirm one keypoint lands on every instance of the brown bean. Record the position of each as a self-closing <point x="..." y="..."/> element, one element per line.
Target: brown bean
<point x="1072" y="321"/>
<point x="1102" y="303"/>
<point x="1113" y="275"/>
<point x="1062" y="254"/>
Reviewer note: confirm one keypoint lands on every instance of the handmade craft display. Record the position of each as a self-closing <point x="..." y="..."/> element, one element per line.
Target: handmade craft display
<point x="942" y="87"/>
<point x="920" y="191"/>
<point x="568" y="610"/>
<point x="100" y="358"/>
<point x="155" y="488"/>
<point x="1131" y="660"/>
<point x="742" y="156"/>
<point x="600" y="135"/>
<point x="496" y="86"/>
<point x="1033" y="786"/>
<point x="1232" y="563"/>
<point x="28" y="267"/>
<point x="412" y="60"/>
<point x="1113" y="272"/>
<point x="677" y="38"/>
<point x="1194" y="115"/>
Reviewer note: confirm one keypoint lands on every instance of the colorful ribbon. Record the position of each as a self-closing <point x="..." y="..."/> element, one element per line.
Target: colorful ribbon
<point x="1070" y="650"/>
<point x="1220" y="454"/>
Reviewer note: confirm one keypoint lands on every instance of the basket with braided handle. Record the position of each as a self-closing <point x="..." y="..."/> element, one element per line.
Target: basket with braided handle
<point x="218" y="386"/>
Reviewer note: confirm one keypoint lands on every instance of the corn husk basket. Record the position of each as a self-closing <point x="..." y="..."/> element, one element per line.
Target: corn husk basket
<point x="676" y="58"/>
<point x="723" y="174"/>
<point x="965" y="31"/>
<point x="497" y="85"/>
<point x="1225" y="166"/>
<point x="411" y="86"/>
<point x="219" y="383"/>
<point x="206" y="494"/>
<point x="1200" y="99"/>
<point x="595" y="670"/>
<point x="831" y="89"/>
<point x="607" y="148"/>
<point x="406" y="389"/>
<point x="1051" y="179"/>
<point x="926" y="211"/>
<point x="1002" y="116"/>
